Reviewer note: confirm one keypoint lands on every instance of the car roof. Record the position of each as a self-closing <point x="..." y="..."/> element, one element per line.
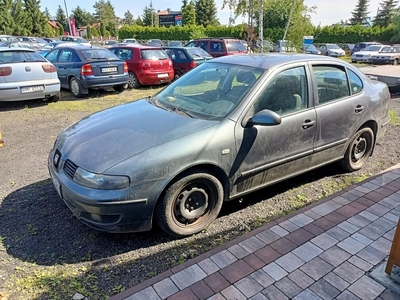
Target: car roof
<point x="181" y="47"/>
<point x="266" y="60"/>
<point x="137" y="46"/>
<point x="16" y="49"/>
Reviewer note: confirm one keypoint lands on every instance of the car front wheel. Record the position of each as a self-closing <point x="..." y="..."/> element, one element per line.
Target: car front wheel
<point x="190" y="204"/>
<point x="359" y="150"/>
<point x="75" y="87"/>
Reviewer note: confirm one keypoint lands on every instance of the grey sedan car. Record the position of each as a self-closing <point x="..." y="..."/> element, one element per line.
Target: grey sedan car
<point x="230" y="126"/>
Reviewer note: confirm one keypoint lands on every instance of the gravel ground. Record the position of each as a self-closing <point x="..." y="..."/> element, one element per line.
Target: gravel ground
<point x="46" y="253"/>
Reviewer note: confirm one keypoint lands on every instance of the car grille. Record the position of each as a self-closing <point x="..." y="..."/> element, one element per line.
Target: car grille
<point x="360" y="56"/>
<point x="70" y="168"/>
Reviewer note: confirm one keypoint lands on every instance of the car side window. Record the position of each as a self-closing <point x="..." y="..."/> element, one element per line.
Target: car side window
<point x="355" y="82"/>
<point x="203" y="45"/>
<point x="182" y="55"/>
<point x="65" y="55"/>
<point x="191" y="44"/>
<point x="75" y="57"/>
<point x="170" y="53"/>
<point x="216" y="46"/>
<point x="331" y="82"/>
<point x="52" y="56"/>
<point x="286" y="93"/>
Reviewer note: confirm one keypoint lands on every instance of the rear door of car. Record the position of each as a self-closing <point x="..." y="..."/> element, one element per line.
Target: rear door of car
<point x="341" y="104"/>
<point x="268" y="154"/>
<point x="179" y="60"/>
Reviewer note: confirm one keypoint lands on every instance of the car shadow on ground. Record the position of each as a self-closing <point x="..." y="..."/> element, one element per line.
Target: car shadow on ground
<point x="37" y="227"/>
<point x="18" y="105"/>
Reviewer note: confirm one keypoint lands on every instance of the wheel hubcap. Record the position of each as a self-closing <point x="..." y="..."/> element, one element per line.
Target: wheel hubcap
<point x="75" y="87"/>
<point x="359" y="148"/>
<point x="192" y="204"/>
<point x="131" y="80"/>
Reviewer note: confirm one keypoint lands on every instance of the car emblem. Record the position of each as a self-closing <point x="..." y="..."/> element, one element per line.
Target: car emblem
<point x="28" y="69"/>
<point x="160" y="63"/>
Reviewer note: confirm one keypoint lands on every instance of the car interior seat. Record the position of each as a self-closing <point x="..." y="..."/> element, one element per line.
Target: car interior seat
<point x="246" y="80"/>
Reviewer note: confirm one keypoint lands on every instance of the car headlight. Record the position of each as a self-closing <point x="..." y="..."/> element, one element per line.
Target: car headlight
<point x="101" y="182"/>
<point x="367" y="56"/>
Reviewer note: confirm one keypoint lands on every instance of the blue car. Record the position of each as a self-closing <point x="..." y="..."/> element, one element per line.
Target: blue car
<point x="81" y="68"/>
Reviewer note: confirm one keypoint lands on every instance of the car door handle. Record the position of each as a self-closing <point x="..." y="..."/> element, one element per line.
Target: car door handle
<point x="359" y="108"/>
<point x="307" y="124"/>
<point x="62" y="67"/>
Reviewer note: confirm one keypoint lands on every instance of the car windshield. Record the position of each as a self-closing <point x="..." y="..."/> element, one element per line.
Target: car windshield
<point x="110" y="43"/>
<point x="211" y="92"/>
<point x="332" y="47"/>
<point x="20" y="56"/>
<point x="310" y="47"/>
<point x="389" y="49"/>
<point x="198" y="53"/>
<point x="154" y="54"/>
<point x="175" y="44"/>
<point x="373" y="48"/>
<point x="93" y="54"/>
<point x="129" y="41"/>
<point x="235" y="46"/>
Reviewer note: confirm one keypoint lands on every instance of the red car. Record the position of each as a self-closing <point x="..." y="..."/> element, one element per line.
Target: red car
<point x="146" y="65"/>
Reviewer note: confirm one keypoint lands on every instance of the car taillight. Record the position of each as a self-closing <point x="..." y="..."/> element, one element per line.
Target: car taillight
<point x="145" y="64"/>
<point x="170" y="63"/>
<point x="49" y="68"/>
<point x="86" y="70"/>
<point x="193" y="64"/>
<point x="5" y="71"/>
<point x="125" y="67"/>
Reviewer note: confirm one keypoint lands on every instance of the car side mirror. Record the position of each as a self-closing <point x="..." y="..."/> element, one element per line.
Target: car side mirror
<point x="265" y="118"/>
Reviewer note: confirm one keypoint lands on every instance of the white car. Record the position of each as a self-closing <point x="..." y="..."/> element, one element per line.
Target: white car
<point x="365" y="54"/>
<point x="331" y="50"/>
<point x="26" y="75"/>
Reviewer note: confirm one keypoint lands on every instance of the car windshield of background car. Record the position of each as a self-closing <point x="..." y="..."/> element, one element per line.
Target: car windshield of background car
<point x="154" y="54"/>
<point x="235" y="46"/>
<point x="93" y="54"/>
<point x="199" y="53"/>
<point x="333" y="47"/>
<point x="211" y="92"/>
<point x="373" y="48"/>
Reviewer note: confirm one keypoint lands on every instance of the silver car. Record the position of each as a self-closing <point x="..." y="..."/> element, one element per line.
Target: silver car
<point x="230" y="126"/>
<point x="25" y="75"/>
<point x="331" y="50"/>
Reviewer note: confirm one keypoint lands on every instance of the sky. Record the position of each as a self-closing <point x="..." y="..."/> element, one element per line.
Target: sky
<point x="327" y="12"/>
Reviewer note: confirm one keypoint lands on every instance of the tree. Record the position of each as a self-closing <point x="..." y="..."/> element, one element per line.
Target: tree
<point x="206" y="12"/>
<point x="111" y="28"/>
<point x="360" y="13"/>
<point x="104" y="11"/>
<point x="6" y="21"/>
<point x="19" y="16"/>
<point x="102" y="29"/>
<point x="36" y="20"/>
<point x="82" y="17"/>
<point x="139" y="21"/>
<point x="184" y="3"/>
<point x="61" y="18"/>
<point x="47" y="14"/>
<point x="128" y="18"/>
<point x="149" y="15"/>
<point x="189" y="15"/>
<point x="95" y="31"/>
<point x="385" y="13"/>
<point x="89" y="33"/>
<point x="60" y="29"/>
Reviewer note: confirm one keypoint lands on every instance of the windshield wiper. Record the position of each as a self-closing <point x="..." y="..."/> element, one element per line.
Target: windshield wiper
<point x="180" y="111"/>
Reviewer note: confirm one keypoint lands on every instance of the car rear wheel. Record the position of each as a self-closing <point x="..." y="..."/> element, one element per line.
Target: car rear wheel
<point x="133" y="82"/>
<point x="177" y="75"/>
<point x="120" y="88"/>
<point x="75" y="87"/>
<point x="190" y="204"/>
<point x="359" y="150"/>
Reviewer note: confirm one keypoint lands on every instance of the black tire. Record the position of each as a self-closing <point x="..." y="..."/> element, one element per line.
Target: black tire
<point x="55" y="98"/>
<point x="359" y="150"/>
<point x="133" y="81"/>
<point x="177" y="75"/>
<point x="75" y="87"/>
<point x="196" y="189"/>
<point x="120" y="88"/>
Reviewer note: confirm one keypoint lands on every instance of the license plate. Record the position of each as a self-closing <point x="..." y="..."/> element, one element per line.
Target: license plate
<point x="108" y="70"/>
<point x="162" y="75"/>
<point x="56" y="185"/>
<point x="32" y="89"/>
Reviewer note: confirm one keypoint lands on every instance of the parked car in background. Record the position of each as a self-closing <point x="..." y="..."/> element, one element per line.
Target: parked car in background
<point x="75" y="39"/>
<point x="331" y="50"/>
<point x="388" y="55"/>
<point x="25" y="75"/>
<point x="186" y="58"/>
<point x="362" y="45"/>
<point x="129" y="41"/>
<point x="154" y="43"/>
<point x="175" y="44"/>
<point x="81" y="68"/>
<point x="284" y="46"/>
<point x="50" y="46"/>
<point x="147" y="65"/>
<point x="237" y="124"/>
<point x="109" y="44"/>
<point x="6" y="38"/>
<point x="19" y="44"/>
<point x="365" y="54"/>
<point x="310" y="49"/>
<point x="219" y="46"/>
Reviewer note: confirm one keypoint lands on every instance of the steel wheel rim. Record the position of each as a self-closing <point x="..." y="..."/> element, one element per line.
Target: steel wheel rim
<point x="359" y="149"/>
<point x="74" y="87"/>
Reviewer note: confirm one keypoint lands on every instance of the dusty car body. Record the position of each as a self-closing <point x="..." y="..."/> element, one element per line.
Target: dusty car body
<point x="231" y="126"/>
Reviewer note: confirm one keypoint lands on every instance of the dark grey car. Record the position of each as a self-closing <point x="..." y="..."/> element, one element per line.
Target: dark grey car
<point x="233" y="125"/>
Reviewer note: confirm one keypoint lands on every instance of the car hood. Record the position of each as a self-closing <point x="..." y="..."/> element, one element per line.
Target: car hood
<point x="336" y="50"/>
<point x="102" y="140"/>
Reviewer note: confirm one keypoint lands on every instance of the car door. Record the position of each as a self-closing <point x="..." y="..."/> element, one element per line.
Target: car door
<point x="52" y="57"/>
<point x="64" y="64"/>
<point x="341" y="104"/>
<point x="267" y="154"/>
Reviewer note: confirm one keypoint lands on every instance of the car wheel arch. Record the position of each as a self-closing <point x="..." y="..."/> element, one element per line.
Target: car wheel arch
<point x="374" y="127"/>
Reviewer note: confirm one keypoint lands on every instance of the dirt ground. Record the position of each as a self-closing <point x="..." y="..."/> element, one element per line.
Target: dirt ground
<point x="46" y="253"/>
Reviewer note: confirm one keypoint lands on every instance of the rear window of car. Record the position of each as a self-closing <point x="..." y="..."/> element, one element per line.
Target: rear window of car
<point x="235" y="46"/>
<point x="198" y="53"/>
<point x="93" y="54"/>
<point x="20" y="56"/>
<point x="153" y="54"/>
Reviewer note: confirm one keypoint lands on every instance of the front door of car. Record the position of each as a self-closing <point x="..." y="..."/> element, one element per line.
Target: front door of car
<point x="341" y="107"/>
<point x="267" y="154"/>
<point x="64" y="65"/>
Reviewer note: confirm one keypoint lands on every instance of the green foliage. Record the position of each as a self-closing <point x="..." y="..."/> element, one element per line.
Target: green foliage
<point x="82" y="17"/>
<point x="206" y="13"/>
<point x="61" y="18"/>
<point x="128" y="18"/>
<point x="104" y="11"/>
<point x="149" y="16"/>
<point x="385" y="13"/>
<point x="6" y="21"/>
<point x="111" y="28"/>
<point x="139" y="21"/>
<point x="189" y="15"/>
<point x="89" y="33"/>
<point x="103" y="29"/>
<point x="36" y="20"/>
<point x="360" y="13"/>
<point x="19" y="16"/>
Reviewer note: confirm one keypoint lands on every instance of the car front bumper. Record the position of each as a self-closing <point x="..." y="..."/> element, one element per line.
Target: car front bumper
<point x="13" y="91"/>
<point x="88" y="82"/>
<point x="105" y="210"/>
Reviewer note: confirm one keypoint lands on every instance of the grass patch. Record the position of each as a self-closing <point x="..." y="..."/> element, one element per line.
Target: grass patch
<point x="340" y="183"/>
<point x="394" y="118"/>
